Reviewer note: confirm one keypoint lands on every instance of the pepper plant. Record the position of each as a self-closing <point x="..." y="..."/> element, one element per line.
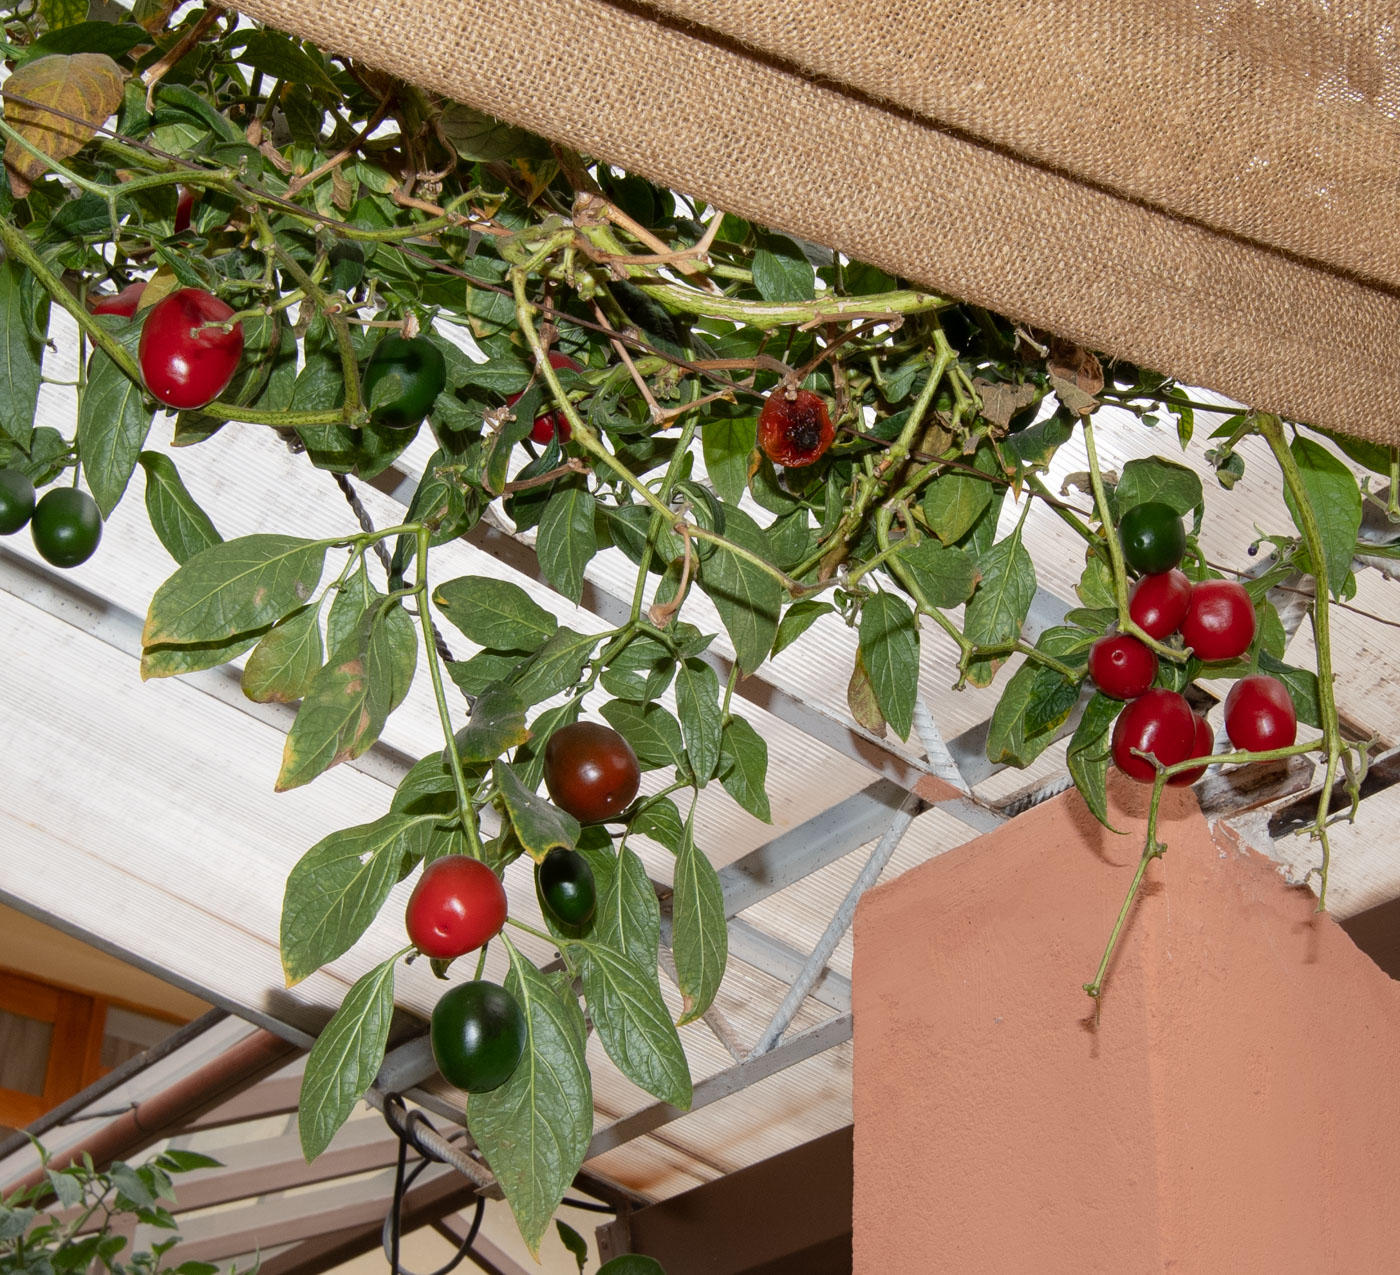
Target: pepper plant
<point x="672" y="352"/>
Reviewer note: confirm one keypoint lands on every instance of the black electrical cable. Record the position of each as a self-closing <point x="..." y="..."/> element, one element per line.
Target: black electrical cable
<point x="591" y="1206"/>
<point x="406" y="1129"/>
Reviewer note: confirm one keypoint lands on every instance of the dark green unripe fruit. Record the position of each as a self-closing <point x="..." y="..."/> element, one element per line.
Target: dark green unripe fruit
<point x="67" y="526"/>
<point x="16" y="500"/>
<point x="567" y="887"/>
<point x="478" y="1036"/>
<point x="1154" y="539"/>
<point x="413" y="372"/>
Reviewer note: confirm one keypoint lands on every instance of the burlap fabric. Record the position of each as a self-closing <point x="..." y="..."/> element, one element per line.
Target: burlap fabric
<point x="1208" y="188"/>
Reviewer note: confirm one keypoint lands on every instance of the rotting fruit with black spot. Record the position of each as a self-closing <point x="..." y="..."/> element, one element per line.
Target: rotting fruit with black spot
<point x="478" y="1036"/>
<point x="16" y="500"/>
<point x="411" y="373"/>
<point x="590" y="771"/>
<point x="566" y="886"/>
<point x="795" y="430"/>
<point x="66" y="526"/>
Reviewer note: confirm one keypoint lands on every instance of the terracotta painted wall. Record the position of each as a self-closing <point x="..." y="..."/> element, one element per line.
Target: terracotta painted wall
<point x="1236" y="1109"/>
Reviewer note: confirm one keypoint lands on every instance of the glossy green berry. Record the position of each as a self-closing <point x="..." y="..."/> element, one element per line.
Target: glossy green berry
<point x="403" y="377"/>
<point x="1154" y="539"/>
<point x="16" y="500"/>
<point x="67" y="526"/>
<point x="566" y="886"/>
<point x="478" y="1036"/>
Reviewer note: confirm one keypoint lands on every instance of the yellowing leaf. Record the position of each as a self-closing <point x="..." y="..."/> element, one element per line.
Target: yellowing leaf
<point x="85" y="86"/>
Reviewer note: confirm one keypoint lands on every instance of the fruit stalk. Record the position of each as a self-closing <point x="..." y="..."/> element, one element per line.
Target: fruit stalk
<point x="1126" y="623"/>
<point x="459" y="779"/>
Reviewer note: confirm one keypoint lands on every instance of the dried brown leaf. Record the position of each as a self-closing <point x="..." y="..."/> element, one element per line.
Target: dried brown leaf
<point x="1000" y="401"/>
<point x="1076" y="376"/>
<point x="87" y="86"/>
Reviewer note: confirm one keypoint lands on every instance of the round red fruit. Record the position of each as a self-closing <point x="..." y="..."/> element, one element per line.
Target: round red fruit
<point x="186" y="357"/>
<point x="590" y="771"/>
<point x="794" y="431"/>
<point x="1219" y="623"/>
<point x="1121" y="666"/>
<point x="549" y="424"/>
<point x="1158" y="722"/>
<point x="123" y="303"/>
<point x="184" y="209"/>
<point x="1203" y="747"/>
<point x="1259" y="714"/>
<point x="1158" y="604"/>
<point x="457" y="905"/>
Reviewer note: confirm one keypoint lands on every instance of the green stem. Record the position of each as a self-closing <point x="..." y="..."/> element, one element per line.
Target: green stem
<point x="1271" y="429"/>
<point x="530" y="929"/>
<point x="459" y="779"/>
<point x="763" y="315"/>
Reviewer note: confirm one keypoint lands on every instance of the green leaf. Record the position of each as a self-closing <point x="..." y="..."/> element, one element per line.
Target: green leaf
<point x="889" y="650"/>
<point x="345" y="1059"/>
<point x="232" y="588"/>
<point x="183" y="527"/>
<point x="781" y="272"/>
<point x="540" y="825"/>
<point x="337" y="887"/>
<point x="574" y="1242"/>
<point x="529" y="758"/>
<point x="1336" y="504"/>
<point x="63" y="13"/>
<point x="1011" y="736"/>
<point x="624" y="1000"/>
<point x="744" y="767"/>
<point x="860" y="699"/>
<point x="945" y="576"/>
<point x="129" y="1183"/>
<point x="654" y="734"/>
<point x="1302" y="688"/>
<point x="21" y="355"/>
<point x="632" y="1264"/>
<point x="535" y="1128"/>
<point x="495" y="613"/>
<point x="797" y="619"/>
<point x="642" y="670"/>
<point x="747" y="598"/>
<point x="496" y="725"/>
<point x="999" y="607"/>
<point x="661" y="821"/>
<point x="284" y="663"/>
<point x="1090" y="753"/>
<point x="484" y="669"/>
<point x="171" y="661"/>
<point x="727" y="443"/>
<point x="177" y="1160"/>
<point x="628" y="919"/>
<point x="699" y="933"/>
<point x="283" y="58"/>
<point x="113" y="421"/>
<point x="954" y="501"/>
<point x="483" y="139"/>
<point x="68" y="1189"/>
<point x="351" y="697"/>
<point x="697" y="704"/>
<point x="1163" y="481"/>
<point x="565" y="541"/>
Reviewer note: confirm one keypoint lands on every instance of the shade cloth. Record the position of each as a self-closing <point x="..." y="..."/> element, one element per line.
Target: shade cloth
<point x="1208" y="189"/>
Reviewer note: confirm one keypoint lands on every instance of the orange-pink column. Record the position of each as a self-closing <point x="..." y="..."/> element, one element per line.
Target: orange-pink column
<point x="1235" y="1108"/>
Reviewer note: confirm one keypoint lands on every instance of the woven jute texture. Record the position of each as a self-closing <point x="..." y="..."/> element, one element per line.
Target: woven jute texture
<point x="1209" y="189"/>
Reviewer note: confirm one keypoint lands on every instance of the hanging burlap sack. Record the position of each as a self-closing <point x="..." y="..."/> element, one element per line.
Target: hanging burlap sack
<point x="1209" y="189"/>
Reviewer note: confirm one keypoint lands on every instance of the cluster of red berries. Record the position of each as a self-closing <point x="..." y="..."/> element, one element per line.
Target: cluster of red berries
<point x="1216" y="621"/>
<point x="459" y="905"/>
